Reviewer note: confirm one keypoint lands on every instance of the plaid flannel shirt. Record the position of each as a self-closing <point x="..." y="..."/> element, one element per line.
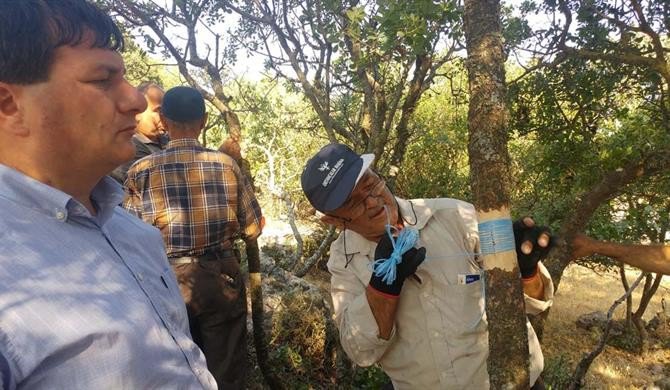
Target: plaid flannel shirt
<point x="198" y="198"/>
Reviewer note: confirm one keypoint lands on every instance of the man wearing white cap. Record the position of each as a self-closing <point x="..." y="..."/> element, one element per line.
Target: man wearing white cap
<point x="425" y="325"/>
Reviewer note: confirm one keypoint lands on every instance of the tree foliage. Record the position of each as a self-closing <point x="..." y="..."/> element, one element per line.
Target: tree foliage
<point x="363" y="66"/>
<point x="177" y="31"/>
<point x="139" y="66"/>
<point x="594" y="98"/>
<point x="436" y="163"/>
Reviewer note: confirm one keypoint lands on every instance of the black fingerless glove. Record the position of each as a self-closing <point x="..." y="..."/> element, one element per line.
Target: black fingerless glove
<point x="407" y="267"/>
<point x="523" y="233"/>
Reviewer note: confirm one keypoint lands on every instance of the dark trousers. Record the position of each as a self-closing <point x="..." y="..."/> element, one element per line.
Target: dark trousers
<point x="215" y="299"/>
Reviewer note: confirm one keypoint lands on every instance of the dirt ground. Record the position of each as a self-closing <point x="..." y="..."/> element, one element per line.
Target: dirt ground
<point x="583" y="291"/>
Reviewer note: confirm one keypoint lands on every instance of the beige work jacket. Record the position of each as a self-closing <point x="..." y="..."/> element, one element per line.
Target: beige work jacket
<point x="440" y="338"/>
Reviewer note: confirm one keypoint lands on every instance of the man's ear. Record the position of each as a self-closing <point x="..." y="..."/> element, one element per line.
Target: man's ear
<point x="163" y="120"/>
<point x="330" y="220"/>
<point x="10" y="115"/>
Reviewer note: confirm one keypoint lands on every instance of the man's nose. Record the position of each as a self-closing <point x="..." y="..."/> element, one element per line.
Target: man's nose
<point x="132" y="101"/>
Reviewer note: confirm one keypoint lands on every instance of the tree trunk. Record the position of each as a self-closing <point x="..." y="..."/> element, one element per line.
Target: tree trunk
<point x="325" y="244"/>
<point x="650" y="287"/>
<point x="629" y="299"/>
<point x="422" y="66"/>
<point x="257" y="314"/>
<point x="490" y="181"/>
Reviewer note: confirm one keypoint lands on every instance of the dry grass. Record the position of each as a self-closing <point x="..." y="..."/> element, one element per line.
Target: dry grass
<point x="583" y="291"/>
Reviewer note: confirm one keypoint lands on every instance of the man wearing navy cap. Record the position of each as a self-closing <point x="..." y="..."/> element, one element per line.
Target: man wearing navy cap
<point x="201" y="202"/>
<point x="425" y="325"/>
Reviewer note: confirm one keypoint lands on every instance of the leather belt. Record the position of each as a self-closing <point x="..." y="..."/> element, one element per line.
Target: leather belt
<point x="207" y="256"/>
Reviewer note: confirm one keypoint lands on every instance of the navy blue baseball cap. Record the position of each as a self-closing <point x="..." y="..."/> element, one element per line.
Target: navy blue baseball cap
<point x="183" y="104"/>
<point x="330" y="175"/>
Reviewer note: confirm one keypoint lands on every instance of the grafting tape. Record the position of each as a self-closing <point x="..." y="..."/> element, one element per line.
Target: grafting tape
<point x="496" y="236"/>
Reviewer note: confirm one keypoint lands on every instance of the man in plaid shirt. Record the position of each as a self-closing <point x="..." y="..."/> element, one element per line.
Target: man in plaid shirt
<point x="201" y="202"/>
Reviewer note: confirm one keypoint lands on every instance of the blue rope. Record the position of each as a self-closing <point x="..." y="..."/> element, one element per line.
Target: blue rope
<point x="387" y="268"/>
<point x="496" y="236"/>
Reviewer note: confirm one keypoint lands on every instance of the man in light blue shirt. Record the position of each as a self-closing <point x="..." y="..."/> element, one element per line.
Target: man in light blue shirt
<point x="87" y="298"/>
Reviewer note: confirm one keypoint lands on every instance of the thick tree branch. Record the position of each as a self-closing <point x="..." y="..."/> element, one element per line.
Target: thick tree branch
<point x="610" y="186"/>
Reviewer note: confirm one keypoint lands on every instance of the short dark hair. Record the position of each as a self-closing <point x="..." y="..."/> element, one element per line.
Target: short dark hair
<point x="31" y="30"/>
<point x="183" y="105"/>
<point x="144" y="86"/>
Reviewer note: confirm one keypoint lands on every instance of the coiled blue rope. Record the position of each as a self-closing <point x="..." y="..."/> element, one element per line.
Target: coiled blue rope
<point x="407" y="238"/>
<point x="387" y="268"/>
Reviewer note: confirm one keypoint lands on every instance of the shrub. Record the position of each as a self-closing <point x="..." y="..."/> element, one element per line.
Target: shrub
<point x="557" y="373"/>
<point x="301" y="342"/>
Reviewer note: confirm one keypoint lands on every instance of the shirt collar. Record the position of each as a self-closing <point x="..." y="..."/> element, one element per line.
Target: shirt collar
<point x="35" y="195"/>
<point x="107" y="194"/>
<point x="183" y="142"/>
<point x="416" y="214"/>
<point x="144" y="139"/>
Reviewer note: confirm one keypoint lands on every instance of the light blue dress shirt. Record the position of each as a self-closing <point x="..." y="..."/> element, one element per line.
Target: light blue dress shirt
<point x="87" y="302"/>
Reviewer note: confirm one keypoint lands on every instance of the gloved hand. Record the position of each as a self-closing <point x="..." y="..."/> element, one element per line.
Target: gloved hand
<point x="407" y="267"/>
<point x="532" y="245"/>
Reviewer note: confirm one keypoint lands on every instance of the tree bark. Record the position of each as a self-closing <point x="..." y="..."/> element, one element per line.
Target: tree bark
<point x="629" y="299"/>
<point x="648" y="292"/>
<point x="257" y="314"/>
<point x="490" y="182"/>
<point x="325" y="244"/>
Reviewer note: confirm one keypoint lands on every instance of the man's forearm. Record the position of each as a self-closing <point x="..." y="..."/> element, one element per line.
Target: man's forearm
<point x="534" y="286"/>
<point x="383" y="308"/>
<point x="651" y="258"/>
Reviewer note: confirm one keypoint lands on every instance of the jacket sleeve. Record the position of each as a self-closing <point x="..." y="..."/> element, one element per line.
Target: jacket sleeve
<point x="537" y="306"/>
<point x="354" y="319"/>
<point x="121" y="172"/>
<point x="249" y="213"/>
<point x="133" y="200"/>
